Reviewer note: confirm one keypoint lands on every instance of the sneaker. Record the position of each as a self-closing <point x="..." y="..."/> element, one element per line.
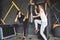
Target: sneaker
<point x="36" y="31"/>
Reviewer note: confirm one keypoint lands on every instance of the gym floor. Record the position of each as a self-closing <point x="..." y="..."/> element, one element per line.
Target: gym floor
<point x="30" y="37"/>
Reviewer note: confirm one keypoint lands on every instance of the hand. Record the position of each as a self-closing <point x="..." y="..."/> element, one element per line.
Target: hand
<point x="33" y="16"/>
<point x="32" y="3"/>
<point x="23" y="19"/>
<point x="15" y="20"/>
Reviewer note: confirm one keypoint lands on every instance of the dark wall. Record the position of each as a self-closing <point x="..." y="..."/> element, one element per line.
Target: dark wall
<point x="54" y="16"/>
<point x="55" y="11"/>
<point x="6" y="4"/>
<point x="0" y="8"/>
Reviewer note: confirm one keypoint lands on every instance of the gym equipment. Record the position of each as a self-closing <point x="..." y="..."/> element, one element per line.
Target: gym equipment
<point x="56" y="31"/>
<point x="30" y="14"/>
<point x="7" y="31"/>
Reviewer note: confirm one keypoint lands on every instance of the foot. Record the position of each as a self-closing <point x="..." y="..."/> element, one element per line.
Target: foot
<point x="24" y="37"/>
<point x="36" y="31"/>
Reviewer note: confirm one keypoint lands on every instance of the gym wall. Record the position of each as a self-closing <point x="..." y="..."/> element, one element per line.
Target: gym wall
<point x="54" y="17"/>
<point x="6" y="5"/>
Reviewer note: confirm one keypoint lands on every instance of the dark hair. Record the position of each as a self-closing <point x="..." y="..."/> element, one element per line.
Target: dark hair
<point x="18" y="13"/>
<point x="38" y="8"/>
<point x="39" y="2"/>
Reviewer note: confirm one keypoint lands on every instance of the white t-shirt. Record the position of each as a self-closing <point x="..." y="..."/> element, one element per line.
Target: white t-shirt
<point x="42" y="15"/>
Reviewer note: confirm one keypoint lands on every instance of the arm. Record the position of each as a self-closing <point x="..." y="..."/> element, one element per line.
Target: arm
<point x="16" y="18"/>
<point x="38" y="15"/>
<point x="25" y="18"/>
<point x="36" y="12"/>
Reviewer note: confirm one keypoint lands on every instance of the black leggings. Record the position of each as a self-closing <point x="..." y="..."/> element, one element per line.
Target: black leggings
<point x="25" y="27"/>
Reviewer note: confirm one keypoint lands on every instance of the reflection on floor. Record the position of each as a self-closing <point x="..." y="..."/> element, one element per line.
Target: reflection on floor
<point x="31" y="34"/>
<point x="30" y="37"/>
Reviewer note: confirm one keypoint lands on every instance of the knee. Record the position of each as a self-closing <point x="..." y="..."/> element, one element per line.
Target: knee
<point x="35" y="20"/>
<point x="41" y="33"/>
<point x="45" y="23"/>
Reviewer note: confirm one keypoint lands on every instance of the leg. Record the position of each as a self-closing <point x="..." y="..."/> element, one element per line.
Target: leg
<point x="36" y="23"/>
<point x="25" y="27"/>
<point x="43" y="26"/>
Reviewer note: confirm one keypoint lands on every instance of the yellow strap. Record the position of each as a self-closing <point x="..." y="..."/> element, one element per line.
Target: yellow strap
<point x="15" y="6"/>
<point x="7" y="12"/>
<point x="55" y="25"/>
<point x="30" y="1"/>
<point x="2" y="21"/>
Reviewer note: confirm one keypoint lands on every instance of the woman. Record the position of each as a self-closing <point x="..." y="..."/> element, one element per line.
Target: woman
<point x="43" y="20"/>
<point x="22" y="19"/>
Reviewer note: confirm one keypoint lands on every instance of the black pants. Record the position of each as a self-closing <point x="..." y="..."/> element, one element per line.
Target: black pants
<point x="25" y="27"/>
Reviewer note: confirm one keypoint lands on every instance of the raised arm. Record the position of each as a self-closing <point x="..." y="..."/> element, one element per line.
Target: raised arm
<point x="25" y="18"/>
<point x="37" y="14"/>
<point x="16" y="18"/>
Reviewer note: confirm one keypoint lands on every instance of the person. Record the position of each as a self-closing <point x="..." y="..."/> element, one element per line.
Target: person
<point x="40" y="13"/>
<point x="22" y="19"/>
